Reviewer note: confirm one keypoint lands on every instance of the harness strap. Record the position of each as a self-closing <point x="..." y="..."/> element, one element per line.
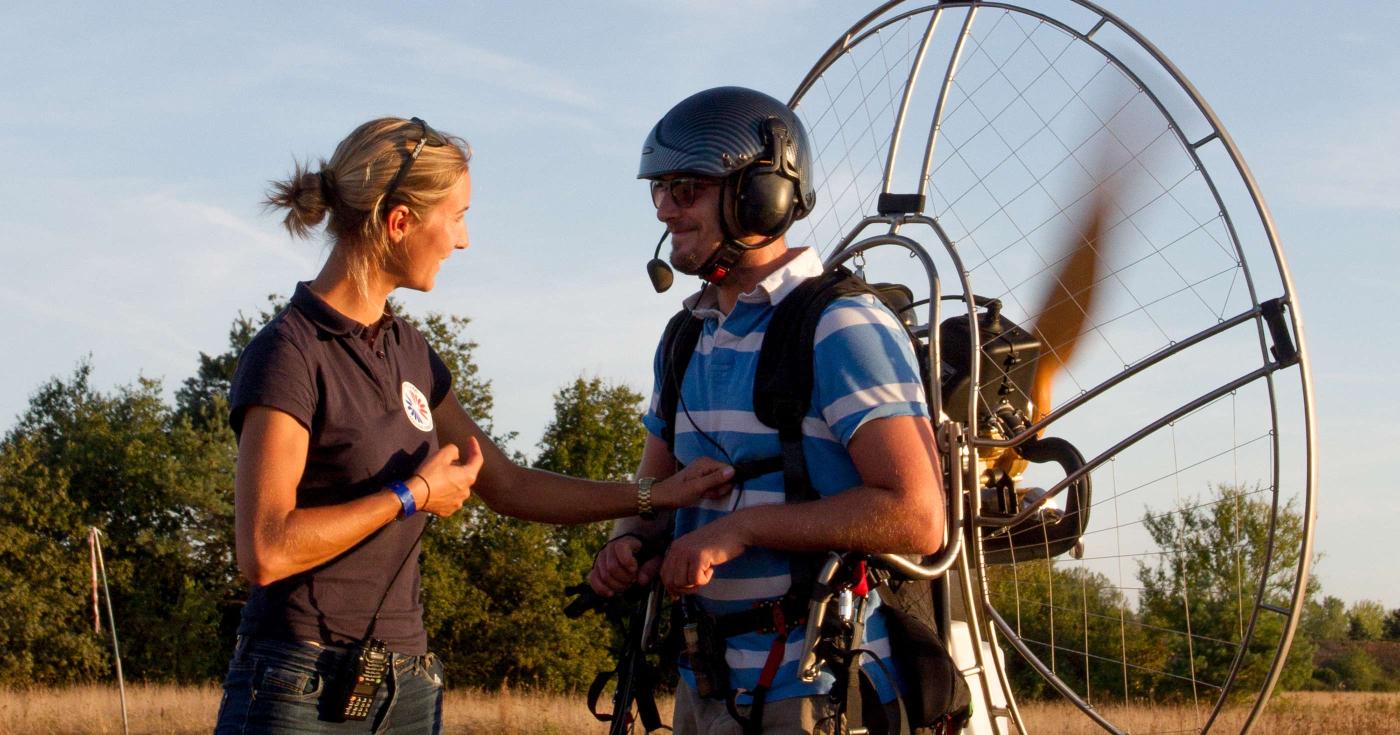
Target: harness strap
<point x="677" y="346"/>
<point x="855" y="712"/>
<point x="753" y="724"/>
<point x="644" y="686"/>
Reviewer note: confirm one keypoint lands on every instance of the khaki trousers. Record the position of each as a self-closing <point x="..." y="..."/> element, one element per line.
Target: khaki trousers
<point x="795" y="716"/>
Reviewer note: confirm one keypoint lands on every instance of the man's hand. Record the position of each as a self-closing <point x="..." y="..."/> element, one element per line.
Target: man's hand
<point x="691" y="561"/>
<point x="703" y="478"/>
<point x="616" y="568"/>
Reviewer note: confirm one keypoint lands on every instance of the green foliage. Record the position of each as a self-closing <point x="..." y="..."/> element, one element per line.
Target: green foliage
<point x="160" y="490"/>
<point x="596" y="431"/>
<point x="1391" y="627"/>
<point x="1061" y="612"/>
<point x="46" y="630"/>
<point x="1325" y="621"/>
<point x="1366" y="621"/>
<point x="1357" y="671"/>
<point x="1206" y="582"/>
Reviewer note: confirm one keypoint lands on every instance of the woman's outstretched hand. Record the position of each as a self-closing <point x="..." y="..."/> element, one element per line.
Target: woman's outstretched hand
<point x="705" y="478"/>
<point x="450" y="474"/>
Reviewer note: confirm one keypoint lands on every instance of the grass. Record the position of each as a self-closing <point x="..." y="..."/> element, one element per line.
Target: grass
<point x="168" y="710"/>
<point x="1293" y="713"/>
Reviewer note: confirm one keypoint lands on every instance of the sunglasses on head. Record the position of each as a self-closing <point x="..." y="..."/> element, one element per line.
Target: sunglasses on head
<point x="682" y="190"/>
<point x="427" y="137"/>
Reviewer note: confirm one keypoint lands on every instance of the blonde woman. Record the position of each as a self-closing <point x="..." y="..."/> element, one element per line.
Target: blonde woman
<point x="349" y="436"/>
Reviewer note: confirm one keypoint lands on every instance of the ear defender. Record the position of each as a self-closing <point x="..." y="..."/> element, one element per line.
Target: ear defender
<point x="762" y="199"/>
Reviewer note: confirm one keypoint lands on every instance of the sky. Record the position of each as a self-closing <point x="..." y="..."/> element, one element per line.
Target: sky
<point x="139" y="139"/>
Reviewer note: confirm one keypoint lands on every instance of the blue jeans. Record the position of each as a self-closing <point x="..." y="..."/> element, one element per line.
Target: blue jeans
<point x="277" y="687"/>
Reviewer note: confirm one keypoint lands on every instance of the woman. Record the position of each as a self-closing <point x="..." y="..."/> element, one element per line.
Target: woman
<point x="349" y="436"/>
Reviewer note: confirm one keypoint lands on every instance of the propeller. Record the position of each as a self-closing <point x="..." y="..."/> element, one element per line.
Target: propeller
<point x="1068" y="302"/>
<point x="1063" y="312"/>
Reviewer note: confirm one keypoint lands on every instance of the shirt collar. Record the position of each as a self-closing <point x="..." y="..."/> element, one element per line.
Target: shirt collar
<point x="326" y="318"/>
<point x="772" y="289"/>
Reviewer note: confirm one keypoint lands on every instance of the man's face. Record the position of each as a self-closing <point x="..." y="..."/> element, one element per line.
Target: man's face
<point x="689" y="205"/>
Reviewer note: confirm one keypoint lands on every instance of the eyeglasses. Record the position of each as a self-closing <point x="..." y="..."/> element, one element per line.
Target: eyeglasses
<point x="682" y="190"/>
<point x="428" y="137"/>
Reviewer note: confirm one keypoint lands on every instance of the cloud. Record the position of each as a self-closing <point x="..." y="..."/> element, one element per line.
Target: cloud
<point x="438" y="54"/>
<point x="143" y="279"/>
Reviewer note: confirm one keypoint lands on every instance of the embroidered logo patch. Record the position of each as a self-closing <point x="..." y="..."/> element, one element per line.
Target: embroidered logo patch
<point x="416" y="407"/>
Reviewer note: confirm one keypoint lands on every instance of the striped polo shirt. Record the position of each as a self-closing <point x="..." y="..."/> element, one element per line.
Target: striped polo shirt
<point x="864" y="370"/>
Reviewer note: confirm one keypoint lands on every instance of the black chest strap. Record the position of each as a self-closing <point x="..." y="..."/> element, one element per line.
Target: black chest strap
<point x="677" y="346"/>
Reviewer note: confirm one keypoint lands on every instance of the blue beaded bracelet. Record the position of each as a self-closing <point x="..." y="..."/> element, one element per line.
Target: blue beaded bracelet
<point x="405" y="497"/>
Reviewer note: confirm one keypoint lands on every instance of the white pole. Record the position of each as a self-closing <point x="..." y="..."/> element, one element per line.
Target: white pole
<point x="112" y="623"/>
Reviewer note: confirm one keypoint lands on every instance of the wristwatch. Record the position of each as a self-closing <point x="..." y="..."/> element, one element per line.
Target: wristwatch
<point x="644" y="509"/>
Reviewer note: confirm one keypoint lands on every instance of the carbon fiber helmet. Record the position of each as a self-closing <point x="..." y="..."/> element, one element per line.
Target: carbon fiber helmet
<point x="751" y="141"/>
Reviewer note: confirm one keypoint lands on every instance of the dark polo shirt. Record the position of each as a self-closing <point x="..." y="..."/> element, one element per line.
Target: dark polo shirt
<point x="363" y="403"/>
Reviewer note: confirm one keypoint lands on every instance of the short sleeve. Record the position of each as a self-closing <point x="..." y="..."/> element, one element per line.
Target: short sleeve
<point x="442" y="378"/>
<point x="652" y="418"/>
<point x="864" y="367"/>
<point x="272" y="371"/>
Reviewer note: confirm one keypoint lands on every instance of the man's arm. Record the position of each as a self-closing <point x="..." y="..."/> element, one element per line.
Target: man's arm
<point x="899" y="507"/>
<point x="546" y="497"/>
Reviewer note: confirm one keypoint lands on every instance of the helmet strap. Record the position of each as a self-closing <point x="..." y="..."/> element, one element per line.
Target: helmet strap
<point x="722" y="260"/>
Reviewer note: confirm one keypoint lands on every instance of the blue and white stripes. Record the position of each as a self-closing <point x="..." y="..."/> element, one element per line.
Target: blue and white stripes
<point x="864" y="369"/>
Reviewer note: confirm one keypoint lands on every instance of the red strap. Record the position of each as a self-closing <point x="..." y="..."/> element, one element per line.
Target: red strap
<point x="862" y="586"/>
<point x="775" y="652"/>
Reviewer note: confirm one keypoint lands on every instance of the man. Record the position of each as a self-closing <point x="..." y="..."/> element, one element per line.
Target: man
<point x="730" y="170"/>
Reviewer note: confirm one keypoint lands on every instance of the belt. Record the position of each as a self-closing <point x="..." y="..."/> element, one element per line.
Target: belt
<point x="763" y="617"/>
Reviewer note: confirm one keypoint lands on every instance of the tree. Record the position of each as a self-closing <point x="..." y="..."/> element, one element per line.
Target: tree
<point x="1076" y="622"/>
<point x="1205" y="582"/>
<point x="1358" y="671"/>
<point x="1325" y="621"/>
<point x="1366" y="621"/>
<point x="158" y="488"/>
<point x="43" y="574"/>
<point x="1391" y="628"/>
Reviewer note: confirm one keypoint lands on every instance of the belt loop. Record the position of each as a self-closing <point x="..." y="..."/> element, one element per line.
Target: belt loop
<point x="240" y="647"/>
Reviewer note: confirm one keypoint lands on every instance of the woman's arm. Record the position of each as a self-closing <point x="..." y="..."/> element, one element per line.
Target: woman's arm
<point x="615" y="567"/>
<point x="547" y="497"/>
<point x="275" y="539"/>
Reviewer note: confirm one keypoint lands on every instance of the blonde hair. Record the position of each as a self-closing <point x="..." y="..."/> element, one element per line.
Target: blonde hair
<point x="350" y="187"/>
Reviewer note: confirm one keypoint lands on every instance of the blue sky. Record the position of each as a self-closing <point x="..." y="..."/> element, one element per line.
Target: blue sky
<point x="138" y="139"/>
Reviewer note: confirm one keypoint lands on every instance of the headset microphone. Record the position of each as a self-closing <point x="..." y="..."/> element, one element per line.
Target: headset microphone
<point x="657" y="269"/>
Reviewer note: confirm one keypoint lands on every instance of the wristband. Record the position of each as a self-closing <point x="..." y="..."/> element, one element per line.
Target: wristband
<point x="405" y="498"/>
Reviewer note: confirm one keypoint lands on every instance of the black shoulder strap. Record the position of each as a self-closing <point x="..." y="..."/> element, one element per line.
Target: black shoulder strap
<point x="782" y="387"/>
<point x="677" y="345"/>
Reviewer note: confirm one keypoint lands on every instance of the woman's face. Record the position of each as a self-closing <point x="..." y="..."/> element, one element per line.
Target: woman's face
<point x="429" y="241"/>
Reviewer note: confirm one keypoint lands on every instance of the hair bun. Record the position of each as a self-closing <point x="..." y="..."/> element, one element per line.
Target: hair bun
<point x="327" y="181"/>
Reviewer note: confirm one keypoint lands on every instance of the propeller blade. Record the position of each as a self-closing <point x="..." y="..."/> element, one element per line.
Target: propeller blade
<point x="1066" y="307"/>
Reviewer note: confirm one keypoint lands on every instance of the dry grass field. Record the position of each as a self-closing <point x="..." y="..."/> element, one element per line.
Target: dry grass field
<point x="158" y="710"/>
